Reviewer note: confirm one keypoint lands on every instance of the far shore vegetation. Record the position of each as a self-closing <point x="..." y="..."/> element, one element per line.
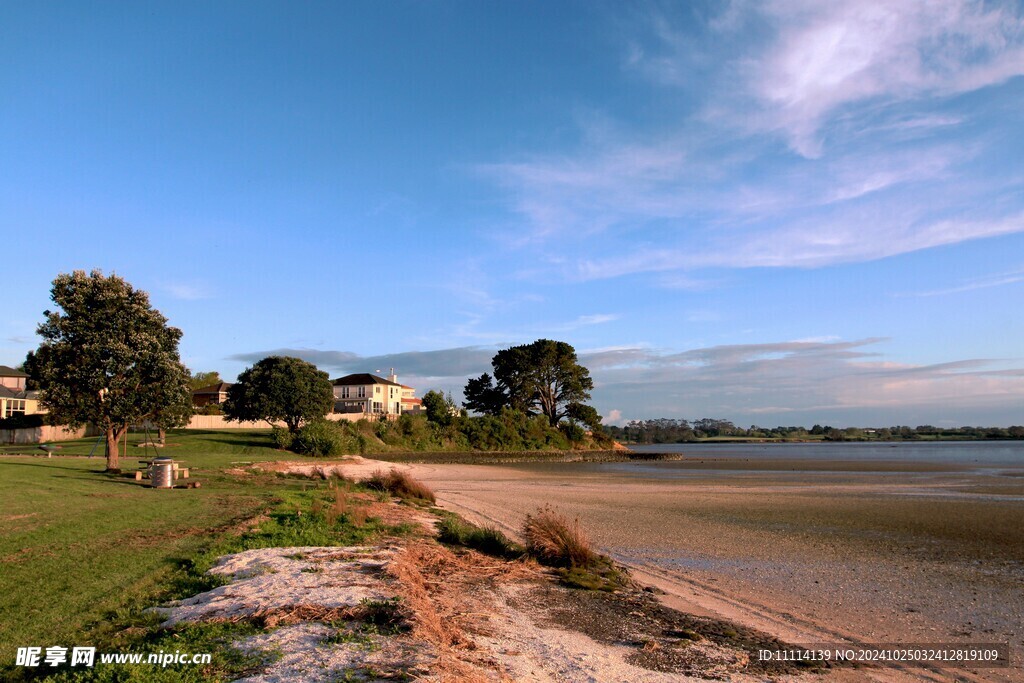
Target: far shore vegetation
<point x="671" y="431"/>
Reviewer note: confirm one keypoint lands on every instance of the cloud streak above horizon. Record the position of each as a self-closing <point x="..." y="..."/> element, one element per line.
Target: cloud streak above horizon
<point x="770" y="383"/>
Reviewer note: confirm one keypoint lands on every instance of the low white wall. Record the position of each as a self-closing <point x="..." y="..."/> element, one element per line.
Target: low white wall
<point x="220" y="422"/>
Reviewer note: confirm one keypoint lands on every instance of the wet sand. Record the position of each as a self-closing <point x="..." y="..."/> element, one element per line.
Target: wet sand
<point x="808" y="550"/>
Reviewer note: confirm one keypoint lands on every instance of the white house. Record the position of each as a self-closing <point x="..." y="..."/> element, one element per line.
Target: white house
<point x="366" y="393"/>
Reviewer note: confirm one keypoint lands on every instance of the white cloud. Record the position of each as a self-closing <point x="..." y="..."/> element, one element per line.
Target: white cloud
<point x="828" y="56"/>
<point x="614" y="417"/>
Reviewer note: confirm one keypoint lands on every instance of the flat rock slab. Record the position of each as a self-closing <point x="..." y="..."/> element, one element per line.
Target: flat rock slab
<point x="274" y="579"/>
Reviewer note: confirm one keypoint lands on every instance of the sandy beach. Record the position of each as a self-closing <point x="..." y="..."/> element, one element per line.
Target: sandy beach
<point x="810" y="552"/>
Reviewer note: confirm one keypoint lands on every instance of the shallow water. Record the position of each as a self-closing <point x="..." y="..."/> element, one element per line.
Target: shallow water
<point x="966" y="453"/>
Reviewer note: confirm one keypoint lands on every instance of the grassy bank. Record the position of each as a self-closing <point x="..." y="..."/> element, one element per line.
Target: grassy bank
<point x="80" y="549"/>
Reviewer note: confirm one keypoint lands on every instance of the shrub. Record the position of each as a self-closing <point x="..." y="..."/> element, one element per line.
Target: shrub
<point x="488" y="540"/>
<point x="556" y="541"/>
<point x="282" y="438"/>
<point x="603" y="575"/>
<point x="453" y="530"/>
<point x="319" y="438"/>
<point x="573" y="432"/>
<point x="401" y="485"/>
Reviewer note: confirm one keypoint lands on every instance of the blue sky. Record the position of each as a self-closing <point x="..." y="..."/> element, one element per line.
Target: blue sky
<point x="769" y="212"/>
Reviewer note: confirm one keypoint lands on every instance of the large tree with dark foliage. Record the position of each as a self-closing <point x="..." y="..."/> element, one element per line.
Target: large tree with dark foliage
<point x="483" y="397"/>
<point x="108" y="358"/>
<point x="280" y="388"/>
<point x="543" y="377"/>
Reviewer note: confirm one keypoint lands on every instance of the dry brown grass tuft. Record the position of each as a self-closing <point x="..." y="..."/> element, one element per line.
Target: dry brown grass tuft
<point x="446" y="596"/>
<point x="400" y="484"/>
<point x="358" y="516"/>
<point x="554" y="540"/>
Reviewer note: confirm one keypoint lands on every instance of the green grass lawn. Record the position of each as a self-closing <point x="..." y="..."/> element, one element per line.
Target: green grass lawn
<point x="80" y="549"/>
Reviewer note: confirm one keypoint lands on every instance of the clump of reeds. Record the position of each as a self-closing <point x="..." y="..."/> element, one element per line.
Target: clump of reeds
<point x="343" y="506"/>
<point x="401" y="485"/>
<point x="555" y="541"/>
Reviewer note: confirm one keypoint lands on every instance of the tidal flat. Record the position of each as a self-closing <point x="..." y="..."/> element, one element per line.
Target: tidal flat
<point x="825" y="546"/>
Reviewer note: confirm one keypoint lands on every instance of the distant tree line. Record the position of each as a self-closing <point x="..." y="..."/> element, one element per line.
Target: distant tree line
<point x="668" y="430"/>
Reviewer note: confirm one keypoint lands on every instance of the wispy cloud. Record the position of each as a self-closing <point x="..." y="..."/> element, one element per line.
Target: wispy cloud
<point x="998" y="280"/>
<point x="187" y="291"/>
<point x="887" y="162"/>
<point x="829" y="56"/>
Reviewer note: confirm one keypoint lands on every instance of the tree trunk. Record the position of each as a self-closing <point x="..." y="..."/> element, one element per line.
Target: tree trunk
<point x="113" y="437"/>
<point x="162" y="436"/>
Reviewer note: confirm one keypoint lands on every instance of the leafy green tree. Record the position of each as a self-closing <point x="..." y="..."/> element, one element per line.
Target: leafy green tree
<point x="107" y="357"/>
<point x="204" y="379"/>
<point x="440" y="409"/>
<point x="543" y="377"/>
<point x="280" y="388"/>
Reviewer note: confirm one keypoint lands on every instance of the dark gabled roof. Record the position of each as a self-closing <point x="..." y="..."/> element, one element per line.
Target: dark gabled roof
<point x="362" y="378"/>
<point x="6" y="371"/>
<point x="7" y="392"/>
<point x="217" y="388"/>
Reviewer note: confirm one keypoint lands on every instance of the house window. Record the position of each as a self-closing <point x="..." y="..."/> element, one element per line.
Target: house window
<point x="344" y="392"/>
<point x="362" y="392"/>
<point x="376" y="390"/>
<point x="15" y="406"/>
<point x="378" y="407"/>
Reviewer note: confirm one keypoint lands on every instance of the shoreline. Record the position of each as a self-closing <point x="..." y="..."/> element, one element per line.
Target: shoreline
<point x="895" y="560"/>
<point x="475" y="616"/>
